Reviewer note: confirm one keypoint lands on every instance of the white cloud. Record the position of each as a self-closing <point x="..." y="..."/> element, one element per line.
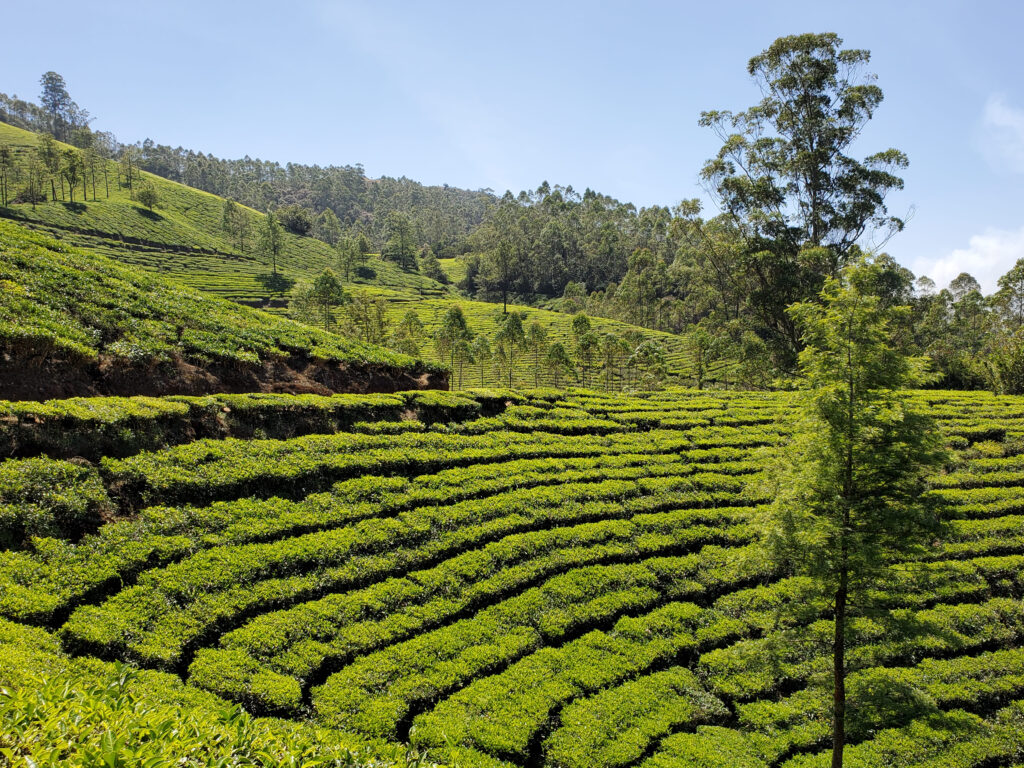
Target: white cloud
<point x="988" y="257"/>
<point x="1002" y="135"/>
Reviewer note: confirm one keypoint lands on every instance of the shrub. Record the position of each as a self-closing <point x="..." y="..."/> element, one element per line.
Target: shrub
<point x="45" y="497"/>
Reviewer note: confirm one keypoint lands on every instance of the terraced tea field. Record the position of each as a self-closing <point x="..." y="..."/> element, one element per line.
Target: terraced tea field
<point x="183" y="238"/>
<point x="504" y="579"/>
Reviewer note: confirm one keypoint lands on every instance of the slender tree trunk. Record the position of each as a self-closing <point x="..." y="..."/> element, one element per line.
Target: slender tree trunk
<point x="53" y="189"/>
<point x="839" y="639"/>
<point x="839" y="672"/>
<point x="106" y="181"/>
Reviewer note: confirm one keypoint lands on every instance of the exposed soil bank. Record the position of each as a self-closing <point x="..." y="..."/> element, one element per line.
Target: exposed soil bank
<point x="45" y="379"/>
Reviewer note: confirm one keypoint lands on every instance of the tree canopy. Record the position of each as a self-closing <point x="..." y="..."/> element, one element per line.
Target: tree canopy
<point x="851" y="499"/>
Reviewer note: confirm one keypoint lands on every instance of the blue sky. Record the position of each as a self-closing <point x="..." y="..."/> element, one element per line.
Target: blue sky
<point x="507" y="95"/>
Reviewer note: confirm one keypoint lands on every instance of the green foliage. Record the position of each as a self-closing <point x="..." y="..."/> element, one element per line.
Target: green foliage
<point x="615" y="727"/>
<point x="82" y="717"/>
<point x="408" y="334"/>
<point x="44" y="497"/>
<point x="431" y="267"/>
<point x="784" y="178"/>
<point x="854" y="495"/>
<point x="62" y="303"/>
<point x="190" y="240"/>
<point x="270" y="239"/>
<point x="295" y="219"/>
<point x="147" y="195"/>
<point x="548" y="577"/>
<point x="853" y="502"/>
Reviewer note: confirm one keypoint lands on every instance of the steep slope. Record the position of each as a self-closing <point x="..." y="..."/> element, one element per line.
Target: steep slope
<point x="184" y="239"/>
<point x="74" y="323"/>
<point x="183" y="236"/>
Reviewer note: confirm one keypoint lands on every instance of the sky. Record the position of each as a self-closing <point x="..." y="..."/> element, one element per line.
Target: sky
<point x="590" y="94"/>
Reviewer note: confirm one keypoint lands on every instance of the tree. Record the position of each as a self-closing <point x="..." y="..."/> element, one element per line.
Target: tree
<point x="704" y="349"/>
<point x="235" y="222"/>
<point x="35" y="173"/>
<point x="328" y="293"/>
<point x="585" y="342"/>
<point x="92" y="161"/>
<point x="130" y="168"/>
<point x="401" y="244"/>
<point x="408" y="334"/>
<point x="271" y="239"/>
<point x="327" y="227"/>
<point x="613" y="350"/>
<point x="368" y="317"/>
<point x="148" y="196"/>
<point x="431" y="267"/>
<point x="580" y="326"/>
<point x="106" y="148"/>
<point x="649" y="359"/>
<point x="509" y="338"/>
<point x="480" y="350"/>
<point x="64" y="115"/>
<point x="302" y="305"/>
<point x="348" y="255"/>
<point x="784" y="178"/>
<point x="71" y="170"/>
<point x="851" y="502"/>
<point x="295" y="219"/>
<point x="452" y="338"/>
<point x="1010" y="295"/>
<point x="505" y="247"/>
<point x="537" y="343"/>
<point x="558" y="362"/>
<point x="6" y="172"/>
<point x="49" y="155"/>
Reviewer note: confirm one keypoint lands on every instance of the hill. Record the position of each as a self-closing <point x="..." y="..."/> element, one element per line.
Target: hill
<point x="504" y="579"/>
<point x="484" y="318"/>
<point x="184" y="239"/>
<point x="183" y="236"/>
<point x="74" y="323"/>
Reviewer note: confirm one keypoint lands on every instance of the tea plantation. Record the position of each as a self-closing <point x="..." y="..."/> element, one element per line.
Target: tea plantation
<point x="559" y="579"/>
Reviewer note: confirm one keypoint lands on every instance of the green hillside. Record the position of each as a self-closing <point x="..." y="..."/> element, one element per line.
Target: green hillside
<point x="183" y="236"/>
<point x="503" y="579"/>
<point x="484" y="318"/>
<point x="72" y="322"/>
<point x="184" y="239"/>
